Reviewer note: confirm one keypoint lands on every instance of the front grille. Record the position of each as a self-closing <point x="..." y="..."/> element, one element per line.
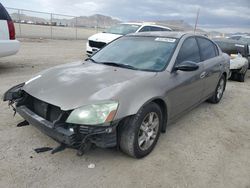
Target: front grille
<point x="96" y="44"/>
<point x="88" y="129"/>
<point x="43" y="109"/>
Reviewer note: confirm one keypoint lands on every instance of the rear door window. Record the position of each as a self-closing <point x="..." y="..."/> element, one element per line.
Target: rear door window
<point x="165" y="29"/>
<point x="153" y="28"/>
<point x="145" y="29"/>
<point x="189" y="51"/>
<point x="207" y="48"/>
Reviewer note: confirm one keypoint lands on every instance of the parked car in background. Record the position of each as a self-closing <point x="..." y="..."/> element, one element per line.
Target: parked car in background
<point x="99" y="40"/>
<point x="30" y="22"/>
<point x="124" y="99"/>
<point x="8" y="43"/>
<point x="238" y="52"/>
<point x="244" y="39"/>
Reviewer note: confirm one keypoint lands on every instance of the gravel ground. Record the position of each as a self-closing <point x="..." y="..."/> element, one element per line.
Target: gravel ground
<point x="39" y="31"/>
<point x="208" y="147"/>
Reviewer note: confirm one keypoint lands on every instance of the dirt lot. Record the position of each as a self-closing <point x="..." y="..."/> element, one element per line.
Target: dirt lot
<point x="208" y="147"/>
<point x="39" y="31"/>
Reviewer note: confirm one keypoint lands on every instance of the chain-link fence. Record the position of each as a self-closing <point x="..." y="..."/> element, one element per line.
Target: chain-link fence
<point x="34" y="24"/>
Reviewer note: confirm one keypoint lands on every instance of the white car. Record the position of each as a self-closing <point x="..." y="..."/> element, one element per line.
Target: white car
<point x="238" y="67"/>
<point x="8" y="43"/>
<point x="99" y="40"/>
<point x="238" y="52"/>
<point x="245" y="39"/>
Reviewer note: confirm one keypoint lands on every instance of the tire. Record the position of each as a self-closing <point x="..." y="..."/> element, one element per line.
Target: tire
<point x="135" y="128"/>
<point x="241" y="77"/>
<point x="218" y="93"/>
<point x="233" y="76"/>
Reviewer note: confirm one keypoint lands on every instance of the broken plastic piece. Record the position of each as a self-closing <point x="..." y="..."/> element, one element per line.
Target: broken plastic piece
<point x="91" y="165"/>
<point x="23" y="123"/>
<point x="43" y="149"/>
<point x="13" y="93"/>
<point x="59" y="148"/>
<point x="85" y="146"/>
<point x="12" y="106"/>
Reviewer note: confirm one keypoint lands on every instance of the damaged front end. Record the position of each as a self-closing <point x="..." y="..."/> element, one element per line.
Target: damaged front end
<point x="14" y="93"/>
<point x="51" y="120"/>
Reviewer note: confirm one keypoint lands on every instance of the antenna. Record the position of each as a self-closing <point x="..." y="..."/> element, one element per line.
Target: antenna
<point x="196" y="21"/>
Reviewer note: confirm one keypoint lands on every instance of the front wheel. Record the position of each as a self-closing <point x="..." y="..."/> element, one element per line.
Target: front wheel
<point x="241" y="77"/>
<point x="139" y="133"/>
<point x="219" y="91"/>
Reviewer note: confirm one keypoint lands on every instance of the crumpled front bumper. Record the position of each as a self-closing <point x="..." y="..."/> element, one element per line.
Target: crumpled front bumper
<point x="90" y="50"/>
<point x="58" y="133"/>
<point x="70" y="134"/>
<point x="239" y="65"/>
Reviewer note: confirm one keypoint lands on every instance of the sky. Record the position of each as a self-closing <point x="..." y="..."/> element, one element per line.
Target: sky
<point x="214" y="14"/>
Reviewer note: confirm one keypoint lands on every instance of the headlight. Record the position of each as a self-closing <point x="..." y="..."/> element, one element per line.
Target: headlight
<point x="94" y="114"/>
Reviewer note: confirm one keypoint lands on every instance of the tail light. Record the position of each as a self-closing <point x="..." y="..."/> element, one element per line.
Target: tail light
<point x="12" y="32"/>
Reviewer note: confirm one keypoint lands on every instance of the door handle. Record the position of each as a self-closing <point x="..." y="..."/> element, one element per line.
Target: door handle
<point x="203" y="75"/>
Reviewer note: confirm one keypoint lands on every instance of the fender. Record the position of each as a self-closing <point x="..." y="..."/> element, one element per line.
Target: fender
<point x="164" y="107"/>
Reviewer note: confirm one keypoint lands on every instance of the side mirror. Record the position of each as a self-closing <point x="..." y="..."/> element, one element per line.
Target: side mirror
<point x="187" y="66"/>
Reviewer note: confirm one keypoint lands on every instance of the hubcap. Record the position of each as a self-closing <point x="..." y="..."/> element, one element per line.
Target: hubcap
<point x="220" y="89"/>
<point x="148" y="130"/>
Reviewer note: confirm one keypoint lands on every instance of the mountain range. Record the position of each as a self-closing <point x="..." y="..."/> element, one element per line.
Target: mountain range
<point x="96" y="20"/>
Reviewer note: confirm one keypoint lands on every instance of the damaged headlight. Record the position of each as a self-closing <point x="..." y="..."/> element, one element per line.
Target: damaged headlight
<point x="94" y="114"/>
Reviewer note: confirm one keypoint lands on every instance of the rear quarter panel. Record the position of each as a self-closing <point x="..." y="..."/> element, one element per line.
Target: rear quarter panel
<point x="4" y="30"/>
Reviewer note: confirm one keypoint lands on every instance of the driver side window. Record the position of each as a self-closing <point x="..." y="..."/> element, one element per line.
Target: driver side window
<point x="189" y="51"/>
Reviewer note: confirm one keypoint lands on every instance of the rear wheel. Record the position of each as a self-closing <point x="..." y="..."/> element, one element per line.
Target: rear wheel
<point x="140" y="133"/>
<point x="218" y="91"/>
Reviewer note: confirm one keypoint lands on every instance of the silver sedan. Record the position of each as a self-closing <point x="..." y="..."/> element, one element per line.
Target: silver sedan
<point x="126" y="94"/>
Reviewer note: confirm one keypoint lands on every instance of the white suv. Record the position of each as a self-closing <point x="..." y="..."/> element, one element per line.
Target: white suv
<point x="8" y="43"/>
<point x="99" y="40"/>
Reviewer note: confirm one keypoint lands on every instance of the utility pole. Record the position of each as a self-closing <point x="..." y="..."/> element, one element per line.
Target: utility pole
<point x="196" y="21"/>
<point x="51" y="19"/>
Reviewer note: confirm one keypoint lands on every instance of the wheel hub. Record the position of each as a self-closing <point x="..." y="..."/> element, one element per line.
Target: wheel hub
<point x="220" y="89"/>
<point x="148" y="130"/>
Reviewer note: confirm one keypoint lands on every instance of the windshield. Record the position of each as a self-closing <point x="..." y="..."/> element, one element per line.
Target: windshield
<point x="143" y="53"/>
<point x="122" y="29"/>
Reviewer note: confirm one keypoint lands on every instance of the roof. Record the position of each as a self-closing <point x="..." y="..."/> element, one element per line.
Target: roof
<point x="231" y="46"/>
<point x="171" y="34"/>
<point x="242" y="35"/>
<point x="147" y="24"/>
<point x="229" y="41"/>
<point x="132" y="23"/>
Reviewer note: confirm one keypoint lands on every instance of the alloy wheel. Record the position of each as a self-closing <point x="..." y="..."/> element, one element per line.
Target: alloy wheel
<point x="148" y="131"/>
<point x="220" y="89"/>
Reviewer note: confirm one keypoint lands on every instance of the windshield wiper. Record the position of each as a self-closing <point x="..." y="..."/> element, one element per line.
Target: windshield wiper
<point x="119" y="65"/>
<point x="91" y="59"/>
<point x="113" y="64"/>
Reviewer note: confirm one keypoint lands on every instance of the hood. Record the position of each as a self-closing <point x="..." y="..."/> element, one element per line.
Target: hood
<point x="104" y="37"/>
<point x="77" y="84"/>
